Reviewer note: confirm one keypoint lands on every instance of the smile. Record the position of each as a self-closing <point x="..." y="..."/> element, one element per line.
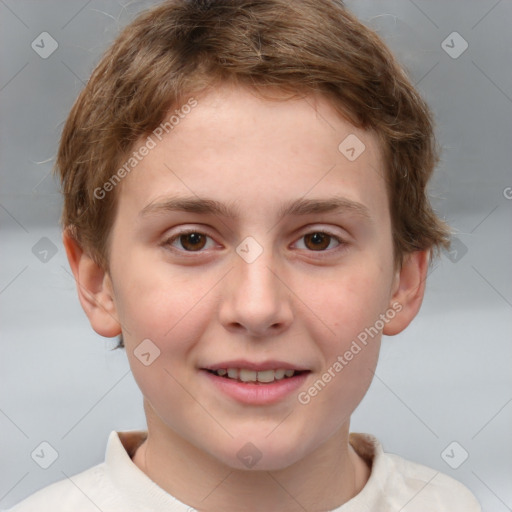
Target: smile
<point x="255" y="383"/>
<point x="263" y="376"/>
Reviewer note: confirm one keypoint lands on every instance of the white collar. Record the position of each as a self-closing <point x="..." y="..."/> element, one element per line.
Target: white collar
<point x="140" y="490"/>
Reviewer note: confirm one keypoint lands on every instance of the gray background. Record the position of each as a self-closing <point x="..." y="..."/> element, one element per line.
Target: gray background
<point x="446" y="378"/>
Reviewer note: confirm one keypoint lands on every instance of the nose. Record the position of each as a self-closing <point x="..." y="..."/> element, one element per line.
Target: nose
<point x="255" y="299"/>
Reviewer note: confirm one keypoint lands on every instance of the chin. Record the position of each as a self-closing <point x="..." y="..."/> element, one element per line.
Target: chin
<point x="260" y="453"/>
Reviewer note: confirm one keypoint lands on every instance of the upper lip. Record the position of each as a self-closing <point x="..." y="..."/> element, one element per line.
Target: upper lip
<point x="250" y="365"/>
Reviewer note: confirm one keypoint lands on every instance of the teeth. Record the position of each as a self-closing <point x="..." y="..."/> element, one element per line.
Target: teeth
<point x="232" y="373"/>
<point x="248" y="375"/>
<point x="264" y="376"/>
<point x="279" y="374"/>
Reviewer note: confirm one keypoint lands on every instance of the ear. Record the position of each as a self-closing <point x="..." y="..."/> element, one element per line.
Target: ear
<point x="94" y="288"/>
<point x="408" y="291"/>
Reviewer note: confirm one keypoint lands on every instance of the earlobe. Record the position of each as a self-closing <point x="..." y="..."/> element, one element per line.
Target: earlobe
<point x="408" y="291"/>
<point x="94" y="288"/>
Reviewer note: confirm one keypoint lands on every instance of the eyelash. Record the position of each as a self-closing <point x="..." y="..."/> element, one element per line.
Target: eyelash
<point x="168" y="242"/>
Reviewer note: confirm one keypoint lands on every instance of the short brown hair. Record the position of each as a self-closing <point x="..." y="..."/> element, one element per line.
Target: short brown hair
<point x="302" y="46"/>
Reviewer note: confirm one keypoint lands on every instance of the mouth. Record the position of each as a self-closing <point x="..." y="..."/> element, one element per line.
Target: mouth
<point x="255" y="383"/>
<point x="250" y="376"/>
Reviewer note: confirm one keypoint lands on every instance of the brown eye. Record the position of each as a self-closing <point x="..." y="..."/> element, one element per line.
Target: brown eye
<point x="189" y="241"/>
<point x="192" y="241"/>
<point x="317" y="241"/>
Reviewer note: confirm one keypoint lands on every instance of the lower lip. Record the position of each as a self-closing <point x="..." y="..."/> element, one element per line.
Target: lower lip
<point x="254" y="393"/>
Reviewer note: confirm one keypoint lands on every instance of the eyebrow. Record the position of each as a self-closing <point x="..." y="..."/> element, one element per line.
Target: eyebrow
<point x="297" y="207"/>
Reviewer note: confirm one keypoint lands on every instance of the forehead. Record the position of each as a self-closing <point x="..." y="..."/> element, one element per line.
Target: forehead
<point x="234" y="144"/>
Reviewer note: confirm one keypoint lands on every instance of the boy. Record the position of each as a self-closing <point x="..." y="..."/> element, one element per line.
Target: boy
<point x="245" y="203"/>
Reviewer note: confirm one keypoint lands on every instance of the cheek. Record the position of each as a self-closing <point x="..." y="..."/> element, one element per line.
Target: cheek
<point x="347" y="302"/>
<point x="157" y="300"/>
<point x="164" y="314"/>
<point x="170" y="307"/>
<point x="339" y="387"/>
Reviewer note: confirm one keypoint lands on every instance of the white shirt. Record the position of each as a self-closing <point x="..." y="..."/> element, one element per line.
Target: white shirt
<point x="118" y="485"/>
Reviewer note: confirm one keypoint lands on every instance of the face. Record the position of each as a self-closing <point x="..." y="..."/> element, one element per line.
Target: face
<point x="227" y="253"/>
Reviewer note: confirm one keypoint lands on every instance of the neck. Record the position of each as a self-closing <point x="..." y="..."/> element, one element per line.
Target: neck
<point x="322" y="480"/>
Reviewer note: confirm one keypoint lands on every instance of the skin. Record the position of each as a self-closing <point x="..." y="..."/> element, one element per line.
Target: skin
<point x="294" y="303"/>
